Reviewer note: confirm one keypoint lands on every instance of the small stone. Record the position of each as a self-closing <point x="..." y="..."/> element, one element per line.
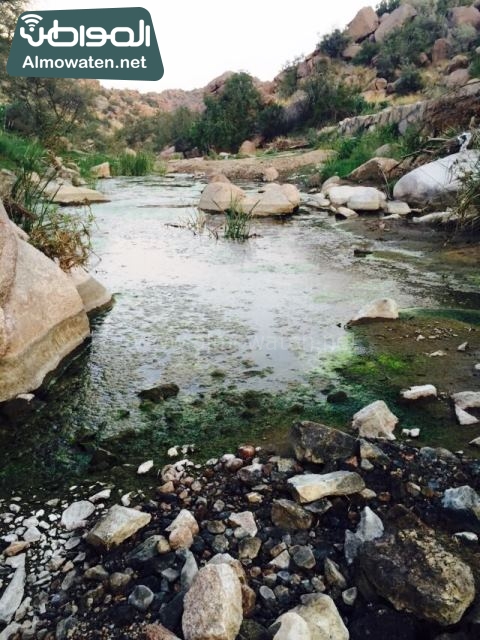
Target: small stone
<point x="375" y="421"/>
<point x="32" y="534"/>
<point x="116" y="526"/>
<point x="420" y="392"/>
<point x="463" y="346"/>
<point x="467" y="536"/>
<point x="181" y="538"/>
<point x="101" y="495"/>
<point x="349" y="596"/>
<point x="333" y="575"/>
<point x="185" y="519"/>
<point x="163" y="546"/>
<point x="216" y="527"/>
<point x="76" y="515"/>
<point x="267" y="595"/>
<point x="245" y="523"/>
<point x="119" y="581"/>
<point x="282" y="561"/>
<point x="249" y="548"/>
<point x="369" y="528"/>
<point x="15" y="548"/>
<point x="145" y="467"/>
<point x="141" y="597"/>
<point x="303" y="557"/>
<point x="254" y="497"/>
<point x="189" y="570"/>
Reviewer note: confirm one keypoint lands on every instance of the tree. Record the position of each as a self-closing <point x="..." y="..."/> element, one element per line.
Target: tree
<point x="334" y="44"/>
<point x="231" y="117"/>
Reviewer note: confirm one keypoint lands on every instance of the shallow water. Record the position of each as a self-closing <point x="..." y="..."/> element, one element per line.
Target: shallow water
<point x="209" y="315"/>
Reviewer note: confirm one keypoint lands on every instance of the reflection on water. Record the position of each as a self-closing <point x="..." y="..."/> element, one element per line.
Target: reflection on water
<point x="209" y="314"/>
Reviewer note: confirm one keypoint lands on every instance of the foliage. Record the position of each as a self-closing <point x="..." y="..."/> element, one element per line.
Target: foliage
<point x="474" y="68"/>
<point x="329" y="99"/>
<point x="387" y="6"/>
<point x="410" y="81"/>
<point x="334" y="44"/>
<point x="464" y="38"/>
<point x="467" y="206"/>
<point x="128" y="164"/>
<point x="288" y="80"/>
<point x="367" y="52"/>
<point x="272" y="121"/>
<point x="237" y="222"/>
<point x="229" y="118"/>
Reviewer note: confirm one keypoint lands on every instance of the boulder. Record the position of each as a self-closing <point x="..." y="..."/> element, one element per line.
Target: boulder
<point x="375" y="170"/>
<point x="375" y="421"/>
<point x="161" y="392"/>
<point x="420" y="392"/>
<point x="312" y="486"/>
<point x="270" y="174"/>
<point x="218" y="177"/>
<point x="404" y="13"/>
<point x="290" y="515"/>
<point x="356" y="198"/>
<point x="457" y="78"/>
<point x="213" y="605"/>
<point x="463" y="499"/>
<point x="442" y="50"/>
<point x="217" y="197"/>
<point x="292" y="627"/>
<point x="460" y="16"/>
<point x="435" y="181"/>
<point x="322" y="617"/>
<point x="184" y="519"/>
<point x="68" y="195"/>
<point x="364" y="23"/>
<point x="116" y="526"/>
<point x="274" y="199"/>
<point x="93" y="294"/>
<point x="457" y="62"/>
<point x="369" y="528"/>
<point x="101" y="171"/>
<point x="417" y="575"/>
<point x="247" y="148"/>
<point x="314" y="442"/>
<point x="384" y="309"/>
<point x="351" y="51"/>
<point x="42" y="317"/>
<point x="463" y="401"/>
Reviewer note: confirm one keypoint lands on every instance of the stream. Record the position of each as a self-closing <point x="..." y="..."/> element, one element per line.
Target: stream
<point x="251" y="332"/>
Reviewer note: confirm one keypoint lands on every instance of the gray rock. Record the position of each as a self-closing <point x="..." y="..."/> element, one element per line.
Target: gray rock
<point x="119" y="581"/>
<point x="375" y="421"/>
<point x="311" y="486"/>
<point x="249" y="548"/>
<point x="462" y="499"/>
<point x="245" y="524"/>
<point x="76" y="515"/>
<point x="314" y="442"/>
<point x="145" y="551"/>
<point x="141" y="597"/>
<point x="118" y="524"/>
<point x="282" y="561"/>
<point x="13" y="595"/>
<point x="189" y="570"/>
<point x="333" y="576"/>
<point x="349" y="596"/>
<point x="267" y="595"/>
<point x="369" y="528"/>
<point x="303" y="557"/>
<point x="289" y="515"/>
<point x="97" y="573"/>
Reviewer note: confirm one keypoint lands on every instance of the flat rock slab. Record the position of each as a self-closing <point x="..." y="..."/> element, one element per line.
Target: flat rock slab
<point x="116" y="526"/>
<point x="312" y="486"/>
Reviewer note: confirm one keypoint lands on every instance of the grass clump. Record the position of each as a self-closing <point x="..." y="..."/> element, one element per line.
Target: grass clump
<point x="237" y="222"/>
<point x="128" y="164"/>
<point x="467" y="206"/>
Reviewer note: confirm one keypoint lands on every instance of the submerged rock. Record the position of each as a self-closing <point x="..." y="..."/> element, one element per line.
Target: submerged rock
<point x="311" y="486"/>
<point x="217" y="197"/>
<point x="375" y="421"/>
<point x="416" y="574"/>
<point x="116" y="526"/>
<point x="315" y="442"/>
<point x="68" y="195"/>
<point x="385" y="309"/>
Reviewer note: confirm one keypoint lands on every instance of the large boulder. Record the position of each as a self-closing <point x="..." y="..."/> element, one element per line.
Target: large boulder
<point x="416" y="574"/>
<point x="273" y="200"/>
<point x="213" y="604"/>
<point x="436" y="181"/>
<point x="364" y="23"/>
<point x="314" y="442"/>
<point x="313" y="486"/>
<point x="395" y="20"/>
<point x="375" y="421"/>
<point x="441" y="50"/>
<point x="460" y="16"/>
<point x="374" y="170"/>
<point x="217" y="197"/>
<point x="92" y="292"/>
<point x="42" y="316"/>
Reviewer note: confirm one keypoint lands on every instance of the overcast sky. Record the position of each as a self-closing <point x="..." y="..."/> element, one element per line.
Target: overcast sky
<point x="200" y="40"/>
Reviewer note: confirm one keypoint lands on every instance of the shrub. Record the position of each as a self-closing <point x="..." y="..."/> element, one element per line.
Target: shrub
<point x="368" y="51"/>
<point x="128" y="164"/>
<point x="288" y="80"/>
<point x="467" y="207"/>
<point x="409" y="82"/>
<point x="465" y="38"/>
<point x="387" y="6"/>
<point x="272" y="121"/>
<point x="237" y="222"/>
<point x="474" y="68"/>
<point x="334" y="44"/>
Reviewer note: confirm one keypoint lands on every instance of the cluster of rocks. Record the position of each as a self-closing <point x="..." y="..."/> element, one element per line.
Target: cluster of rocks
<point x="351" y="538"/>
<point x="66" y="187"/>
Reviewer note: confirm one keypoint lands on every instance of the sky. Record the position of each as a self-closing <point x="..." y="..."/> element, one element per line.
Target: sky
<point x="200" y="40"/>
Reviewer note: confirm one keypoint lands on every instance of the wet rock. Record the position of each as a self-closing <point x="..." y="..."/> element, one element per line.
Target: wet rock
<point x="463" y="499"/>
<point x="217" y="197"/>
<point x="160" y="393"/>
<point x="310" y="486"/>
<point x="213" y="605"/>
<point x="384" y="309"/>
<point x="141" y="598"/>
<point x="292" y="627"/>
<point x="369" y="528"/>
<point x="116" y="526"/>
<point x="420" y="392"/>
<point x="93" y="294"/>
<point x="76" y="515"/>
<point x="322" y="617"/>
<point x="13" y="595"/>
<point x="314" y="442"/>
<point x="289" y="515"/>
<point x="375" y="421"/>
<point x="416" y="574"/>
<point x="344" y="213"/>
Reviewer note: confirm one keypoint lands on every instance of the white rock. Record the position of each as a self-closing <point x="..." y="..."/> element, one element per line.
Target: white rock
<point x="292" y="627"/>
<point x="312" y="486"/>
<point x="356" y="198"/>
<point x="184" y="519"/>
<point x="462" y="499"/>
<point x="101" y="495"/>
<point x="397" y="208"/>
<point x="145" y="467"/>
<point x="116" y="526"/>
<point x="32" y="534"/>
<point x="274" y="199"/>
<point x="173" y="452"/>
<point x="463" y="346"/>
<point x="345" y="213"/>
<point x="13" y="595"/>
<point x="463" y="401"/>
<point x="375" y="421"/>
<point x="245" y="523"/>
<point x="219" y="196"/>
<point x="318" y="201"/>
<point x="369" y="528"/>
<point x="75" y="516"/>
<point x="468" y="536"/>
<point x="213" y="605"/>
<point x="383" y="309"/>
<point x="68" y="195"/>
<point x="435" y="180"/>
<point x="422" y="391"/>
<point x="322" y="617"/>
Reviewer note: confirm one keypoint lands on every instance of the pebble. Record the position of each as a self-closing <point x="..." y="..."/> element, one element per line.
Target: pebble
<point x="267" y="595"/>
<point x="349" y="596"/>
<point x="141" y="597"/>
<point x="145" y="467"/>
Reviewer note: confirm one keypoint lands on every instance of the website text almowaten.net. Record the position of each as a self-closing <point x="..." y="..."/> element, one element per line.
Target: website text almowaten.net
<point x="36" y="62"/>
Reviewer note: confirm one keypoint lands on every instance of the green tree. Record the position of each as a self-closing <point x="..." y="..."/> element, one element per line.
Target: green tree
<point x="334" y="44"/>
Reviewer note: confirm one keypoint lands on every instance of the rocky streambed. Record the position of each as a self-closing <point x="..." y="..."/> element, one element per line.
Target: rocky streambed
<point x="345" y="537"/>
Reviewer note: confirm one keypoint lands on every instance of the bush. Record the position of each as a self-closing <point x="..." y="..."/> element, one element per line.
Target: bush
<point x="334" y="44"/>
<point x="409" y="82"/>
<point x="387" y="6"/>
<point x="288" y="80"/>
<point x="272" y="121"/>
<point x="368" y="51"/>
<point x="128" y="164"/>
<point x="465" y="38"/>
<point x="474" y="68"/>
<point x="467" y="207"/>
